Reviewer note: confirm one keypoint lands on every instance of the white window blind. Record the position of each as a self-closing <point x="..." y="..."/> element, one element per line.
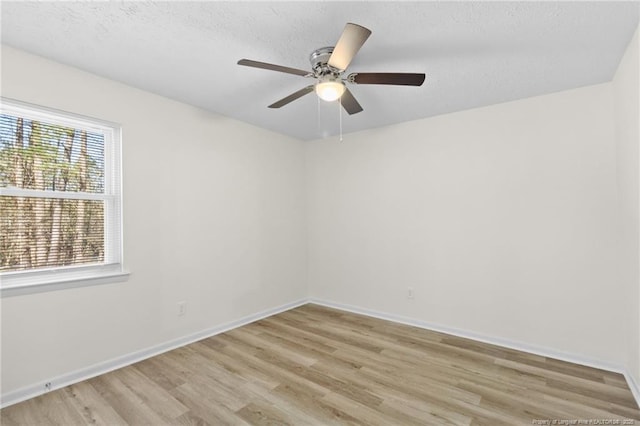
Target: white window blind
<point x="60" y="196"/>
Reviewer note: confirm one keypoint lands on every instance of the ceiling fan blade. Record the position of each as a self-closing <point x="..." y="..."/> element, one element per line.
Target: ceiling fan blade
<point x="292" y="97"/>
<point x="273" y="67"/>
<point x="395" y="78"/>
<point x="352" y="38"/>
<point x="349" y="103"/>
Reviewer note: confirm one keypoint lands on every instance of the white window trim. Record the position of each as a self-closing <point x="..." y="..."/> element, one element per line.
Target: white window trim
<point x="112" y="270"/>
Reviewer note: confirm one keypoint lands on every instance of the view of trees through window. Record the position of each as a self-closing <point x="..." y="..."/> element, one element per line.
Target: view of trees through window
<point x="51" y="176"/>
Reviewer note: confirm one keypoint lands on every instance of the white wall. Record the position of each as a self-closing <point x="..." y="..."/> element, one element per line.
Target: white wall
<point x="502" y="219"/>
<point x="626" y="91"/>
<point x="213" y="215"/>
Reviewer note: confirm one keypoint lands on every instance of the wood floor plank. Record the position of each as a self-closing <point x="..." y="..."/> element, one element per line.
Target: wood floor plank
<point x="429" y="414"/>
<point x="165" y="378"/>
<point x="577" y="384"/>
<point x="257" y="413"/>
<point x="25" y="413"/>
<point x="155" y="397"/>
<point x="259" y="342"/>
<point x="314" y="406"/>
<point x="366" y="415"/>
<point x="278" y="370"/>
<point x="190" y="419"/>
<point x="93" y="408"/>
<point x="205" y="405"/>
<point x="125" y="402"/>
<point x="320" y="366"/>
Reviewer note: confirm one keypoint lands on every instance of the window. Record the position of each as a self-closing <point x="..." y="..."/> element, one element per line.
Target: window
<point x="60" y="198"/>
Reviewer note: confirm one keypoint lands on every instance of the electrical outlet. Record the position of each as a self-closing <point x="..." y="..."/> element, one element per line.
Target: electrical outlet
<point x="182" y="308"/>
<point x="47" y="386"/>
<point x="409" y="292"/>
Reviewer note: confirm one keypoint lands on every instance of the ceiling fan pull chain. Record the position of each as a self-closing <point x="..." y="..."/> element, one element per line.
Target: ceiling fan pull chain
<point x="319" y="126"/>
<point x="340" y="115"/>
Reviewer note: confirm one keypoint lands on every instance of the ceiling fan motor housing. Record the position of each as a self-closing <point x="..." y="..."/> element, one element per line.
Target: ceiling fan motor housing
<point x="319" y="59"/>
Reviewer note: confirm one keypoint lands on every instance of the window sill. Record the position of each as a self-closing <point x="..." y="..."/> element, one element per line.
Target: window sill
<point x="12" y="286"/>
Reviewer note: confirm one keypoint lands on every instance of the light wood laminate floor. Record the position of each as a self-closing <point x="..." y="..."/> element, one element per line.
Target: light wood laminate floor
<point x="318" y="366"/>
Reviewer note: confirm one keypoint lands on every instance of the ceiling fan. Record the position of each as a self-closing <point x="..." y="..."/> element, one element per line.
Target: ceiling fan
<point x="329" y="63"/>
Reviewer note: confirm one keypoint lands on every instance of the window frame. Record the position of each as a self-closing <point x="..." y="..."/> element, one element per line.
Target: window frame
<point x="111" y="269"/>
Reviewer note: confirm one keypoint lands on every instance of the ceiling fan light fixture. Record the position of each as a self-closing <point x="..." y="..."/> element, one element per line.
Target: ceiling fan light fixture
<point x="330" y="90"/>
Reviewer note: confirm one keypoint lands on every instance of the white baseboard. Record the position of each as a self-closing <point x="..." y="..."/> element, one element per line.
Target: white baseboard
<point x="519" y="346"/>
<point x="67" y="379"/>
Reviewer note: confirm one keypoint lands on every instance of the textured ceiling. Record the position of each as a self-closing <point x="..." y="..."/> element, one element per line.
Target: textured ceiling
<point x="474" y="53"/>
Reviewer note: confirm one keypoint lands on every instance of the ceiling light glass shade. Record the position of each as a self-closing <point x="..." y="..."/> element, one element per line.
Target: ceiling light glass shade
<point x="330" y="90"/>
